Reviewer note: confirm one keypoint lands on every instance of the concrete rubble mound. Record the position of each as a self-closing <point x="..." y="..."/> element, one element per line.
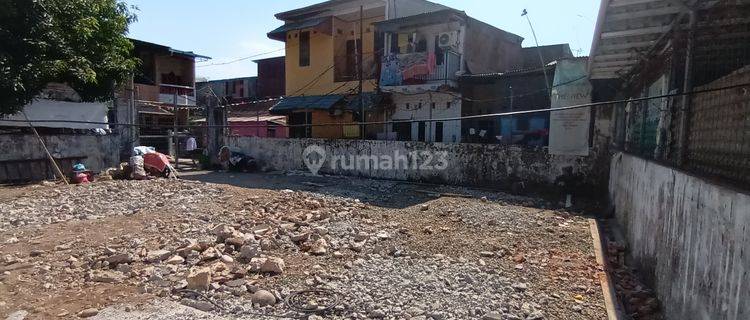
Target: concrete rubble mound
<point x="232" y="252"/>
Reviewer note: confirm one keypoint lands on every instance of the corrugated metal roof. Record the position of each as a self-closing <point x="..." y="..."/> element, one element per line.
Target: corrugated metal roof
<point x="510" y="73"/>
<point x="315" y="8"/>
<point x="275" y="119"/>
<point x="306" y="102"/>
<point x="371" y="100"/>
<point x="280" y="32"/>
<point x="171" y="50"/>
<point x="440" y="16"/>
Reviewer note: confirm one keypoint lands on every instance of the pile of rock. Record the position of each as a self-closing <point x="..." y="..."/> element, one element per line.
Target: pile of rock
<point x="56" y="204"/>
<point x="231" y="257"/>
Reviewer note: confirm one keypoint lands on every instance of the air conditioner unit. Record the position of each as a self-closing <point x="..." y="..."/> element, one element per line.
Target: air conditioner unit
<point x="448" y="39"/>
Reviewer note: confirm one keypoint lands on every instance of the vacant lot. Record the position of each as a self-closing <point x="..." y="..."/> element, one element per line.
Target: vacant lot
<point x="186" y="249"/>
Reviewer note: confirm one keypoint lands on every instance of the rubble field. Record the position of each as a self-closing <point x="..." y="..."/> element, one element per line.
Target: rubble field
<point x="330" y="249"/>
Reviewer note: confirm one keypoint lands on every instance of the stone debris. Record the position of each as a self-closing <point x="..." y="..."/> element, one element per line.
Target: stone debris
<point x="158" y="255"/>
<point x="97" y="200"/>
<point x="249" y="251"/>
<point x="198" y="304"/>
<point x="88" y="313"/>
<point x="272" y="265"/>
<point x="199" y="279"/>
<point x="263" y="298"/>
<point x="18" y="315"/>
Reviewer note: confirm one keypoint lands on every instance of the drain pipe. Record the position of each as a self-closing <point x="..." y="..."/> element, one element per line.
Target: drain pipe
<point x="687" y="87"/>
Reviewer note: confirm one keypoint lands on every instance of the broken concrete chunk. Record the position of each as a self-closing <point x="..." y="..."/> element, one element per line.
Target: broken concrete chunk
<point x="273" y="265"/>
<point x="88" y="313"/>
<point x="199" y="279"/>
<point x="120" y="258"/>
<point x="300" y="237"/>
<point x="197" y="304"/>
<point x="210" y="254"/>
<point x="320" y="247"/>
<point x="175" y="260"/>
<point x="255" y="264"/>
<point x="18" y="315"/>
<point x="248" y="252"/>
<point x="158" y="255"/>
<point x="235" y="241"/>
<point x="106" y="276"/>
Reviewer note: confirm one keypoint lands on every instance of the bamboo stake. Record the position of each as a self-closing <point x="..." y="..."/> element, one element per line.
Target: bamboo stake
<point x="49" y="155"/>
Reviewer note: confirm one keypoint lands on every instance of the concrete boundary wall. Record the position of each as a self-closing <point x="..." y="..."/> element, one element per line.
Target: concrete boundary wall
<point x="691" y="238"/>
<point x="467" y="164"/>
<point x="101" y="152"/>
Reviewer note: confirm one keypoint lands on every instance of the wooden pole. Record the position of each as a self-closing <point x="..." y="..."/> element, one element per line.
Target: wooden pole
<point x="49" y="155"/>
<point x="360" y="72"/>
<point x="176" y="138"/>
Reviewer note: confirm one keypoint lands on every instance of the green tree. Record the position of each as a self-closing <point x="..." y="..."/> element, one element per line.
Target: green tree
<point x="79" y="42"/>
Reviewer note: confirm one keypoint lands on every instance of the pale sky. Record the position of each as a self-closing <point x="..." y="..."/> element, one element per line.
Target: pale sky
<point x="227" y="30"/>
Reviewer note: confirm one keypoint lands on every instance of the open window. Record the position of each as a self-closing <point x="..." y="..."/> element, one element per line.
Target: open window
<point x="304" y="49"/>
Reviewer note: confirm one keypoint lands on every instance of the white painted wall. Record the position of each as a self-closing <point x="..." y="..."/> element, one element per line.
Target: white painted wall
<point x="101" y="152"/>
<point x="691" y="236"/>
<point x="466" y="164"/>
<point x="43" y="109"/>
<point x="408" y="108"/>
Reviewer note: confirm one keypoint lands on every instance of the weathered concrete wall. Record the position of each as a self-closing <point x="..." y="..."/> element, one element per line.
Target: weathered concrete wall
<point x="466" y="164"/>
<point x="691" y="237"/>
<point x="101" y="152"/>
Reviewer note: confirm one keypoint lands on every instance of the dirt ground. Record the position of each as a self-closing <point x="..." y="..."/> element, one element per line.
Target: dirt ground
<point x="387" y="250"/>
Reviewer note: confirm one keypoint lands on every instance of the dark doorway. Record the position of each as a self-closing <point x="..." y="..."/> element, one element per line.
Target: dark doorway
<point x="438" y="132"/>
<point x="421" y="135"/>
<point x="402" y="130"/>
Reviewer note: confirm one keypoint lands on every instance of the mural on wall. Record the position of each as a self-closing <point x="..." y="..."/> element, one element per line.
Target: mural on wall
<point x="408" y="68"/>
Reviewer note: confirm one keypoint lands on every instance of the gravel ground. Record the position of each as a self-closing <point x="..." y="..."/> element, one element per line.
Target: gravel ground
<point x="180" y="249"/>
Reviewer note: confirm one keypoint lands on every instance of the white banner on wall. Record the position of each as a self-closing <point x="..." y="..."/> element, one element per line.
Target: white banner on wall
<point x="42" y="109"/>
<point x="569" y="129"/>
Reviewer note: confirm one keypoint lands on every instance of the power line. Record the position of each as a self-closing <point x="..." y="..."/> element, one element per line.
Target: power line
<point x="491" y="115"/>
<point x="240" y="59"/>
<point x="528" y="93"/>
<point x="313" y="81"/>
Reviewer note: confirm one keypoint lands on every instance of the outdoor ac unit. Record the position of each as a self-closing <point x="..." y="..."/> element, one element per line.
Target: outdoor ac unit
<point x="448" y="39"/>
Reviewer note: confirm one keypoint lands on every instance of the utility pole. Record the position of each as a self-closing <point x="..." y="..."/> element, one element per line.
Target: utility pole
<point x="133" y="115"/>
<point x="210" y="131"/>
<point x="512" y="125"/>
<point x="176" y="138"/>
<point x="539" y="50"/>
<point x="360" y="72"/>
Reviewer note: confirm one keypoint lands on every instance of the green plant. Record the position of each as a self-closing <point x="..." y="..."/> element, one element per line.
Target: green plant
<point x="79" y="42"/>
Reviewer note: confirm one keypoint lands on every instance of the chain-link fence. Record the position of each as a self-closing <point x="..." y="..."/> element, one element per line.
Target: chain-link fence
<point x="714" y="140"/>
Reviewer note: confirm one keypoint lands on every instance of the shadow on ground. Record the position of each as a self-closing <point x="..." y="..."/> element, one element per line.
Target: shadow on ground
<point x="382" y="193"/>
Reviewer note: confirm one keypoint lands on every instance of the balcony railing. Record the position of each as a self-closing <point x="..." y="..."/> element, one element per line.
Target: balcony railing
<point x="184" y="95"/>
<point x="346" y="68"/>
<point x="419" y="68"/>
<point x="165" y="93"/>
